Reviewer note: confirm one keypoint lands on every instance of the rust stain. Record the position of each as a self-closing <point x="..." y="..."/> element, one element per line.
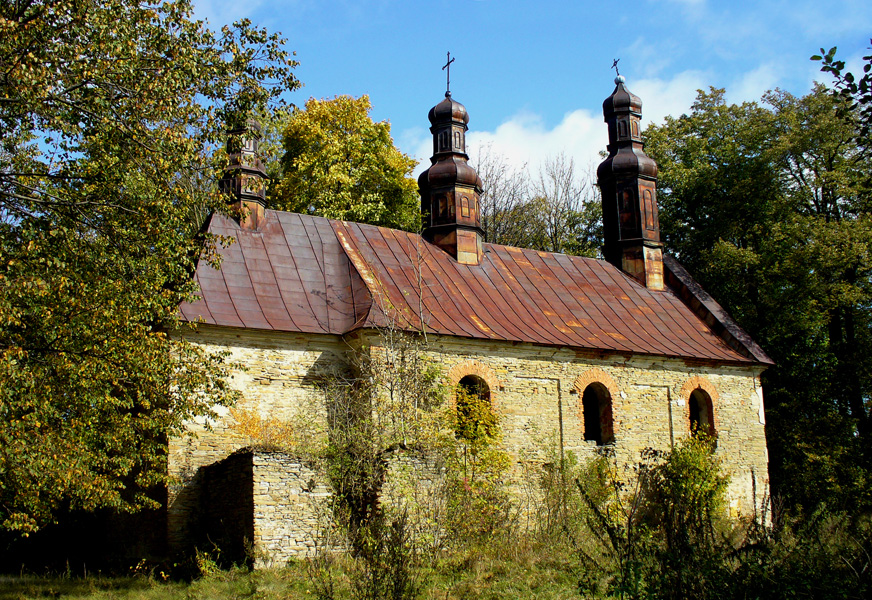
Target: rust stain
<point x="480" y="324"/>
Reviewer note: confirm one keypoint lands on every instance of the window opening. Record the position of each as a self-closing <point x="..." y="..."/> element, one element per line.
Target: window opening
<point x="701" y="413"/>
<point x="475" y="417"/>
<point x="596" y="403"/>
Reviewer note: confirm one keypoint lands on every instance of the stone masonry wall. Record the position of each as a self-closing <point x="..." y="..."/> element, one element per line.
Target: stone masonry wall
<point x="537" y="389"/>
<point x="536" y="392"/>
<point x="278" y="380"/>
<point x="290" y="508"/>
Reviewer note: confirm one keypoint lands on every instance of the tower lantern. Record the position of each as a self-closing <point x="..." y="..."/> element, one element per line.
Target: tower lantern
<point x="244" y="179"/>
<point x="628" y="182"/>
<point x="450" y="188"/>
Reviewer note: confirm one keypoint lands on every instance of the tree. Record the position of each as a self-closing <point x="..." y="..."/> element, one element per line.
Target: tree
<point x="504" y="196"/>
<point x="108" y="111"/>
<point x="570" y="215"/>
<point x="339" y="164"/>
<point x="855" y="90"/>
<point x="765" y="205"/>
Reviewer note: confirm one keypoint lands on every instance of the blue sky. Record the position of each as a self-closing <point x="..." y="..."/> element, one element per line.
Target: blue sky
<point x="533" y="75"/>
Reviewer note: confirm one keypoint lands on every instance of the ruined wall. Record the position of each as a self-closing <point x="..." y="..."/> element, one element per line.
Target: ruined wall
<point x="291" y="508"/>
<point x="259" y="505"/>
<point x="279" y="380"/>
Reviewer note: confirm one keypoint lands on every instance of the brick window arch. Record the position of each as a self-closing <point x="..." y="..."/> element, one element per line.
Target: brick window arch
<point x="477" y="369"/>
<point x="474" y="407"/>
<point x="701" y="398"/>
<point x="596" y="391"/>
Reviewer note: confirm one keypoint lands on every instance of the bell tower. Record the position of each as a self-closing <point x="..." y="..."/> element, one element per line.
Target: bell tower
<point x="244" y="179"/>
<point x="450" y="188"/>
<point x="627" y="179"/>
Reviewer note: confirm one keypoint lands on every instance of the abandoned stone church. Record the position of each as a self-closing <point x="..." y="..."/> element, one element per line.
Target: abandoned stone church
<point x="627" y="351"/>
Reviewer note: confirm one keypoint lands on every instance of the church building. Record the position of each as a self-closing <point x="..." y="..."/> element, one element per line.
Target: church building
<point x="627" y="352"/>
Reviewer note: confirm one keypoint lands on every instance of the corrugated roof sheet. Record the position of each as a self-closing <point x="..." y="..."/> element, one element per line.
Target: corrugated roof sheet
<point x="308" y="274"/>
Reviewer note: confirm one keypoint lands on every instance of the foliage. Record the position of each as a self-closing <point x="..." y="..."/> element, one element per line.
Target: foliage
<point x="107" y="113"/>
<point x="615" y="562"/>
<point x="478" y="504"/>
<point x="685" y="508"/>
<point x="856" y="90"/>
<point x="302" y="434"/>
<point x="387" y="403"/>
<point x="339" y="164"/>
<point x="822" y="556"/>
<point x="766" y="206"/>
<point x="661" y="533"/>
<point x="656" y="526"/>
<point x="474" y="420"/>
<point x="386" y="565"/>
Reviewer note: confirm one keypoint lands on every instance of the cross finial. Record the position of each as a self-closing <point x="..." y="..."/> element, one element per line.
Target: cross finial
<point x="447" y="69"/>
<point x="615" y="66"/>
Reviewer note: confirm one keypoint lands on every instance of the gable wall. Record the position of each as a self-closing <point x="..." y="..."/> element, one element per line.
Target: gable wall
<point x="277" y="381"/>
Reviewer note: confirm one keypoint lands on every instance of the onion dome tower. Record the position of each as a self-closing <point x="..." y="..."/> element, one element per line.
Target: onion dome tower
<point x="450" y="188"/>
<point x="628" y="182"/>
<point x="244" y="179"/>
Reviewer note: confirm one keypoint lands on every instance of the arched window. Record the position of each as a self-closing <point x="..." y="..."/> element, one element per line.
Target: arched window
<point x="475" y="416"/>
<point x="648" y="200"/>
<point x="622" y="128"/>
<point x="702" y="419"/>
<point x="596" y="406"/>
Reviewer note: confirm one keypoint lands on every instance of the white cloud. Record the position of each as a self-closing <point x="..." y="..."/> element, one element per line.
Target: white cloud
<point x="825" y="20"/>
<point x="752" y="85"/>
<point x="524" y="139"/>
<point x="668" y="97"/>
<point x="656" y="56"/>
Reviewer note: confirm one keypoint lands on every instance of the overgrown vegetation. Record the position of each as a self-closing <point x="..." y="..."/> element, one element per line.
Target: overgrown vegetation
<point x="656" y="530"/>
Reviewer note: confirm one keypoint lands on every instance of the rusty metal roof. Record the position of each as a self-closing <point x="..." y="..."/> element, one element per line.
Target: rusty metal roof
<point x="290" y="275"/>
<point x="308" y="274"/>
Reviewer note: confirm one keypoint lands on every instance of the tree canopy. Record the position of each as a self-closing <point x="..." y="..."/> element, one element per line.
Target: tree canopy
<point x="766" y="205"/>
<point x="340" y="164"/>
<point x="109" y="113"/>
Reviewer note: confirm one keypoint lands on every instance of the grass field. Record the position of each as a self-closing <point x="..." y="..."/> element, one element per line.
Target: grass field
<point x="518" y="577"/>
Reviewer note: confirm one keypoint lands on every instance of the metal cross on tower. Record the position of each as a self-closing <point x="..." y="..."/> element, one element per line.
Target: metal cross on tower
<point x="447" y="69"/>
<point x="615" y="66"/>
